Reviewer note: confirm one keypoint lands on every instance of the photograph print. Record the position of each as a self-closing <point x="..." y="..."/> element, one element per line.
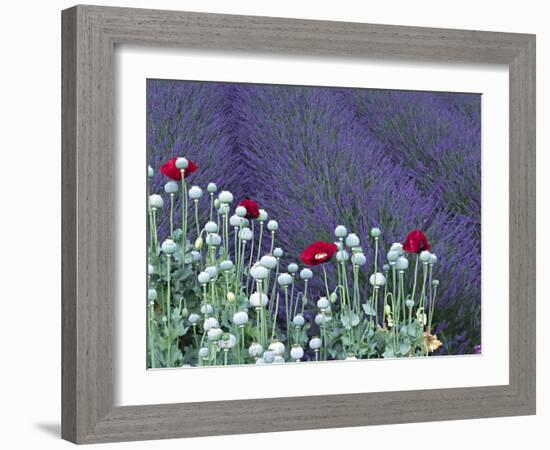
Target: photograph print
<point x="303" y="224"/>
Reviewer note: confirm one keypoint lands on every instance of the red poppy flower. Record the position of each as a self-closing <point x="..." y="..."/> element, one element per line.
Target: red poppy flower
<point x="252" y="209"/>
<point x="318" y="253"/>
<point x="416" y="242"/>
<point x="170" y="170"/>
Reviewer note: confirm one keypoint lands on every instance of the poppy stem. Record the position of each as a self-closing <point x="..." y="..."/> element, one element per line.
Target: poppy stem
<point x="276" y="312"/>
<point x="168" y="309"/>
<point x="183" y="214"/>
<point x="260" y="240"/>
<point x="197" y="217"/>
<point x="172" y="215"/>
<point x="211" y="205"/>
<point x="326" y="281"/>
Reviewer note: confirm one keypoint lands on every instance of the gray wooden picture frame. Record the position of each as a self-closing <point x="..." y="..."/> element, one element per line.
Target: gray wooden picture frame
<point x="90" y="34"/>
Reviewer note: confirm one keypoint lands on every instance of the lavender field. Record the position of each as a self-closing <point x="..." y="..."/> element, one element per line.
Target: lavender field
<point x="316" y="157"/>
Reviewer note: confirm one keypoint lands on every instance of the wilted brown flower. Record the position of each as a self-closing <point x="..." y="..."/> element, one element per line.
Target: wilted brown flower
<point x="431" y="342"/>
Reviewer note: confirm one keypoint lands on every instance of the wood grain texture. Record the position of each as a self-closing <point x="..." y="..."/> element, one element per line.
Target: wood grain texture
<point x="88" y="296"/>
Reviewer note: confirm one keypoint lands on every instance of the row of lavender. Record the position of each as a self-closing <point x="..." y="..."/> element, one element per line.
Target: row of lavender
<point x="318" y="157"/>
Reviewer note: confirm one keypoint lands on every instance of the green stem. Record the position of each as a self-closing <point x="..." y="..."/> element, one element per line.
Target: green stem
<point x="168" y="309"/>
<point x="172" y="215"/>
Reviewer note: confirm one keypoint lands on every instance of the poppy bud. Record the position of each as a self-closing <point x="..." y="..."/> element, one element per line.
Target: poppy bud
<point x="340" y="231"/>
<point x="171" y="187"/>
<point x="315" y="343"/>
<point x="375" y="232"/>
<point x="225" y="197"/>
<point x="211" y="187"/>
<point x="168" y="247"/>
<point x="182" y="163"/>
<point x="156" y="201"/>
<point x="211" y="227"/>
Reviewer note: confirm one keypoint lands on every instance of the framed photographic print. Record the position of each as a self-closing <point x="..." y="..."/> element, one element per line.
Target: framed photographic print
<point x="318" y="213"/>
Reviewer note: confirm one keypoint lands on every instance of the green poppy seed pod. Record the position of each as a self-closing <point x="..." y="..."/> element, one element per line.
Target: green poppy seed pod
<point x="203" y="352"/>
<point x="359" y="259"/>
<point x="182" y="163"/>
<point x="342" y="256"/>
<point x="217" y="204"/>
<point x="435" y="283"/>
<point x="168" y="247"/>
<point x="212" y="271"/>
<point x="152" y="294"/>
<point x="204" y="278"/>
<point x="278" y="348"/>
<point x="211" y="187"/>
<point x="268" y="356"/>
<point x="409" y="303"/>
<point x="298" y="320"/>
<point x="194" y="318"/>
<point x="306" y="274"/>
<point x="223" y="209"/>
<point x="210" y="323"/>
<point x="398" y="247"/>
<point x="195" y="256"/>
<point x="278" y="252"/>
<point x="226" y="265"/>
<point x="258" y="299"/>
<point x="340" y="231"/>
<point x="231" y="297"/>
<point x="150" y="171"/>
<point x="284" y="279"/>
<point x="352" y="240"/>
<point x="156" y="201"/>
<point x="171" y="187"/>
<point x="260" y="361"/>
<point x="225" y="197"/>
<point x="207" y="309"/>
<point x="433" y="258"/>
<point x="268" y="261"/>
<point x="296" y="352"/>
<point x="235" y="221"/>
<point x="425" y="256"/>
<point x="320" y="319"/>
<point x="387" y="310"/>
<point x="386" y="267"/>
<point x="377" y="279"/>
<point x="195" y="193"/>
<point x="214" y="334"/>
<point x="211" y="227"/>
<point x="151" y="269"/>
<point x="293" y="267"/>
<point x="259" y="272"/>
<point x="375" y="232"/>
<point x="279" y="360"/>
<point x="392" y="255"/>
<point x="272" y="225"/>
<point x="246" y="234"/>
<point x="246" y="222"/>
<point x="357" y="249"/>
<point x="323" y="303"/>
<point x="315" y="343"/>
<point x="255" y="350"/>
<point x="213" y="239"/>
<point x="240" y="318"/>
<point x="402" y="263"/>
<point x="240" y="211"/>
<point x="263" y="215"/>
<point x="228" y="341"/>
